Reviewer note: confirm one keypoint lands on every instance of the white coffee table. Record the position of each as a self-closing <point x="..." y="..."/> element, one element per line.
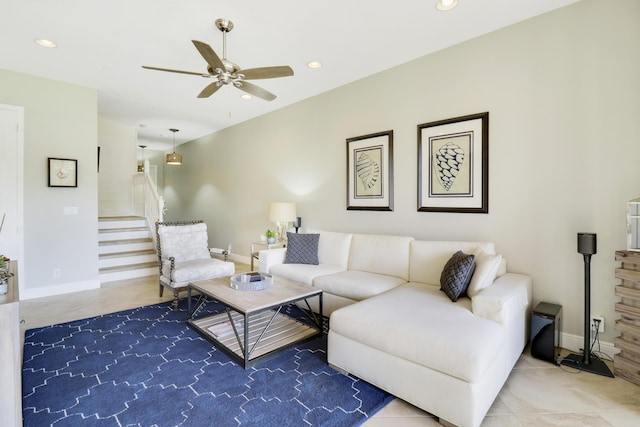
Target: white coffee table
<point x="253" y="326"/>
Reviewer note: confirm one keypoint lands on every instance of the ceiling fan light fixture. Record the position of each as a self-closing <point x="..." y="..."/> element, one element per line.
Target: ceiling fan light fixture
<point x="444" y="5"/>
<point x="246" y="96"/>
<point x="174" y="158"/>
<point x="314" y="64"/>
<point x="225" y="72"/>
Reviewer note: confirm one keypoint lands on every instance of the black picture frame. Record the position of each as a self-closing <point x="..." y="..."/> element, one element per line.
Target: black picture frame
<point x="453" y="165"/>
<point x="370" y="172"/>
<point x="62" y="172"/>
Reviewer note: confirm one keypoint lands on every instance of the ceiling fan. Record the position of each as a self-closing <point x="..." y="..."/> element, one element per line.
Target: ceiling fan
<point x="225" y="72"/>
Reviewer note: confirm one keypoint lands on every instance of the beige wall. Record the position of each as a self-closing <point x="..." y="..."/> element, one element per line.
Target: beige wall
<point x="118" y="164"/>
<point x="60" y="120"/>
<point x="562" y="92"/>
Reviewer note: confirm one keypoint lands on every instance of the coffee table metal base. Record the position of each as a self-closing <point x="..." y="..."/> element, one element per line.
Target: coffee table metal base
<point x="267" y="332"/>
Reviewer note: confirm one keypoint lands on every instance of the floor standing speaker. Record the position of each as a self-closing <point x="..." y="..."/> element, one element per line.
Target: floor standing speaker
<point x="546" y="321"/>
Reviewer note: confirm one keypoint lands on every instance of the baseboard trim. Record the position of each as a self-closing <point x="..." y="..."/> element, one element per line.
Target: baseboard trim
<point x="575" y="342"/>
<point x="64" y="288"/>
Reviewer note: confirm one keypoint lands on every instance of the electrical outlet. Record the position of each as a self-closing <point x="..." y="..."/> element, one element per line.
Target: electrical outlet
<point x="600" y="326"/>
<point x="57" y="273"/>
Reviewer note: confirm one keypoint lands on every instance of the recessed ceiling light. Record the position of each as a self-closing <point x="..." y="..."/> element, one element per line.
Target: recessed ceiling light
<point x="246" y="96"/>
<point x="45" y="43"/>
<point x="444" y="5"/>
<point x="314" y="64"/>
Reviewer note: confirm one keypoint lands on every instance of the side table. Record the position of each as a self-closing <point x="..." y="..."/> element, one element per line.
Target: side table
<point x="256" y="247"/>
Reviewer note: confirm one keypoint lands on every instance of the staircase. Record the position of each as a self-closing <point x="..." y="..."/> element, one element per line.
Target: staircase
<point x="126" y="249"/>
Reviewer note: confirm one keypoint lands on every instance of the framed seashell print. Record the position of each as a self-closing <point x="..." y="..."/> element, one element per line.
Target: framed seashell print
<point x="370" y="172"/>
<point x="453" y="165"/>
<point x="63" y="172"/>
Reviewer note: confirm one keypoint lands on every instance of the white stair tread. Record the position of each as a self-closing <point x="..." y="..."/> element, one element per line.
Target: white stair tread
<point x="129" y="267"/>
<point x="125" y="241"/>
<point x="127" y="253"/>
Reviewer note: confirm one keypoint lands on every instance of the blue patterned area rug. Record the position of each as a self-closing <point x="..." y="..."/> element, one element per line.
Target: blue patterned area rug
<point x="146" y="367"/>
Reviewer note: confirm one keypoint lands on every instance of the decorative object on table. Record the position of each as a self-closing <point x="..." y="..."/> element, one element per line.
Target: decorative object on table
<point x="370" y="172"/>
<point x="251" y="281"/>
<point x="174" y="158"/>
<point x="62" y="172"/>
<point x="297" y="224"/>
<point x="271" y="236"/>
<point x="5" y="274"/>
<point x="633" y="225"/>
<point x="587" y="246"/>
<point x="453" y="165"/>
<point x="282" y="213"/>
<point x="224" y="72"/>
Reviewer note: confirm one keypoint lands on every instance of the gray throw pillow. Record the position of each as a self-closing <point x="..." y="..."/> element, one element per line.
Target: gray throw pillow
<point x="457" y="274"/>
<point x="302" y="248"/>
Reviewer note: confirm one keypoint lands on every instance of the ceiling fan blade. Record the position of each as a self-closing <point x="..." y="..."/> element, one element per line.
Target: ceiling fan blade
<point x="176" y="71"/>
<point x="210" y="90"/>
<point x="267" y="72"/>
<point x="256" y="91"/>
<point x="209" y="55"/>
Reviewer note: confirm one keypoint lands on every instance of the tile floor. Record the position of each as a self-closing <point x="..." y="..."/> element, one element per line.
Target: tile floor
<point x="536" y="394"/>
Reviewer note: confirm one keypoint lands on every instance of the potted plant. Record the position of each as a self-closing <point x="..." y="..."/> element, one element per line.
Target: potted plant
<point x="271" y="237"/>
<point x="4" y="274"/>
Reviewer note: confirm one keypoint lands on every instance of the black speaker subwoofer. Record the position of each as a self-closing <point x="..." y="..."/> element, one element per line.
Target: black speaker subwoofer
<point x="546" y="321"/>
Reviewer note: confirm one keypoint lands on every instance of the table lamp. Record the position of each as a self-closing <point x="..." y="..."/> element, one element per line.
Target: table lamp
<point x="282" y="213"/>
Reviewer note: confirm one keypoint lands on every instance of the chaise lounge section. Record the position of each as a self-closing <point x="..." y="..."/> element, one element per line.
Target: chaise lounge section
<point x="392" y="325"/>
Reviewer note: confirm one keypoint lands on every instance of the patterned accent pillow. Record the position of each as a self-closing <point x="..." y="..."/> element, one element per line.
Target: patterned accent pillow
<point x="302" y="248"/>
<point x="457" y="274"/>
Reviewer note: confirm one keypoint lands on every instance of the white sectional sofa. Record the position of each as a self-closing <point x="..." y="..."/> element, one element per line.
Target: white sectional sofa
<point x="392" y="326"/>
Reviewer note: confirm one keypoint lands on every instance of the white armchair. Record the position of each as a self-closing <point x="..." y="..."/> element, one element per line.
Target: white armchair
<point x="184" y="256"/>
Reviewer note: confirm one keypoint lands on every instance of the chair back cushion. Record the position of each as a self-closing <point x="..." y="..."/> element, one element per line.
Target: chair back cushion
<point x="184" y="242"/>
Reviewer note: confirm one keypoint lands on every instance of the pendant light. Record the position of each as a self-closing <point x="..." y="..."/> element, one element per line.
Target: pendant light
<point x="174" y="158"/>
<point x="141" y="165"/>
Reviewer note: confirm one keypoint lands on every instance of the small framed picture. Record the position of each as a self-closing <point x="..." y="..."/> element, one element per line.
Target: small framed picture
<point x="63" y="172"/>
<point x="453" y="165"/>
<point x="370" y="172"/>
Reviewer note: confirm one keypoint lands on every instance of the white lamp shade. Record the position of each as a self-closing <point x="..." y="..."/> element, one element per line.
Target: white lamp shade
<point x="282" y="212"/>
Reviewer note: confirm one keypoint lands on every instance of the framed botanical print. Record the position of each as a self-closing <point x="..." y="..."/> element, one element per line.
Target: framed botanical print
<point x="453" y="165"/>
<point x="63" y="172"/>
<point x="370" y="172"/>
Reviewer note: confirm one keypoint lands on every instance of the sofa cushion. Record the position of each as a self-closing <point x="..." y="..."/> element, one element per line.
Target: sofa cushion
<point x="302" y="249"/>
<point x="439" y="334"/>
<point x="303" y="273"/>
<point x="381" y="254"/>
<point x="428" y="258"/>
<point x="486" y="270"/>
<point x="356" y="285"/>
<point x="333" y="248"/>
<point x="456" y="275"/>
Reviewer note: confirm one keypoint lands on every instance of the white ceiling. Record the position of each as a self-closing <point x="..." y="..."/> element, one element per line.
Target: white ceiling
<point x="103" y="44"/>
